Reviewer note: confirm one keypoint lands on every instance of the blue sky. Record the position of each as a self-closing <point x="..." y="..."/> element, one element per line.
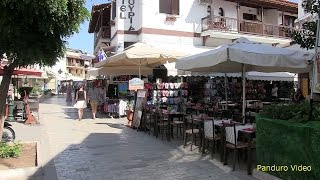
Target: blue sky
<point x="83" y="40"/>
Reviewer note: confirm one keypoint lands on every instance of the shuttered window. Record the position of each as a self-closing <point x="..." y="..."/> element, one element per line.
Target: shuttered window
<point x="169" y="7"/>
<point x="114" y="9"/>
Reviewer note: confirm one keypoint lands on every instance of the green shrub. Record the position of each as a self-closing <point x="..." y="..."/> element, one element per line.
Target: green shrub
<point x="36" y="89"/>
<point x="291" y="112"/>
<point x="22" y="89"/>
<point x="10" y="150"/>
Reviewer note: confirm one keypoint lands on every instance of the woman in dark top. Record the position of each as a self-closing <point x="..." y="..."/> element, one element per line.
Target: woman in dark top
<point x="81" y="101"/>
<point x="298" y="97"/>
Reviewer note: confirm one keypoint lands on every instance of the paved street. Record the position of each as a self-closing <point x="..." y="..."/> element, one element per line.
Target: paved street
<point x="106" y="149"/>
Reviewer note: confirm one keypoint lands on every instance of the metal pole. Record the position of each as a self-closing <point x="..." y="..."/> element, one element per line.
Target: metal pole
<point x="243" y="93"/>
<point x="226" y="88"/>
<point x="315" y="72"/>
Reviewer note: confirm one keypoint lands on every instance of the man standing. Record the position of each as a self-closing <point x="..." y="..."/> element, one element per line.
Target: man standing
<point x="93" y="96"/>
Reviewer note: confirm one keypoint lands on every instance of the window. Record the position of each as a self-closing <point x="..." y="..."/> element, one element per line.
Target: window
<point x="69" y="70"/>
<point x="221" y="12"/>
<point x="169" y="7"/>
<point x="250" y="17"/>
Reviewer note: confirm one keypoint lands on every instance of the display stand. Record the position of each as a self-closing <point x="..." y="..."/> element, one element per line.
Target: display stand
<point x="140" y="102"/>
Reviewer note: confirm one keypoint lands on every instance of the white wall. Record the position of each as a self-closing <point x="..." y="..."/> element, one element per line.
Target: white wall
<point x="300" y="9"/>
<point x="271" y="16"/>
<point x="230" y="8"/>
<point x="189" y="18"/>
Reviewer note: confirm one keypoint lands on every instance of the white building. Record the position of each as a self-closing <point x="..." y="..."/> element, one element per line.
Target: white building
<point x="73" y="66"/>
<point x="118" y="24"/>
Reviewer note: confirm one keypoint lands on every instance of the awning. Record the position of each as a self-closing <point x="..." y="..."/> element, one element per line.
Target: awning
<point x="23" y="71"/>
<point x="275" y="76"/>
<point x="121" y="70"/>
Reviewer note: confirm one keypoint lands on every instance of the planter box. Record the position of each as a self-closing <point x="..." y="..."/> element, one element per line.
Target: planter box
<point x="287" y="143"/>
<point x="20" y="173"/>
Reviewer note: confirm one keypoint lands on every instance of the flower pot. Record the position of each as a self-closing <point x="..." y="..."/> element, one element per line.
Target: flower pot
<point x="129" y="115"/>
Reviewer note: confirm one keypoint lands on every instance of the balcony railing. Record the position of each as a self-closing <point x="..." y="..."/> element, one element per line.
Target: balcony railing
<point x="104" y="32"/>
<point x="226" y="24"/>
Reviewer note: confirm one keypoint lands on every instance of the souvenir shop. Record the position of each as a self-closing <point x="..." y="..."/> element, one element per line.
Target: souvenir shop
<point x="114" y="95"/>
<point x="175" y="91"/>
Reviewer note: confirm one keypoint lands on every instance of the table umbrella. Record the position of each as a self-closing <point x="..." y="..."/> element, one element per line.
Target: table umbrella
<point x="244" y="55"/>
<point x="139" y="55"/>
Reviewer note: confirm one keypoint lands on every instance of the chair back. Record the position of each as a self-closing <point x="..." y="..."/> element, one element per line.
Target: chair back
<point x="230" y="133"/>
<point x="209" y="129"/>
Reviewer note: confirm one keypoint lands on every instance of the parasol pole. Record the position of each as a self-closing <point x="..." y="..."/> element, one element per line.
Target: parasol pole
<point x="139" y="71"/>
<point x="314" y="67"/>
<point x="243" y="93"/>
<point x="225" y="88"/>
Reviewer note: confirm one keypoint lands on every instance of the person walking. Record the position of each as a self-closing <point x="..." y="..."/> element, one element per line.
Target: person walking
<point x="274" y="92"/>
<point x="69" y="91"/>
<point x="93" y="96"/>
<point x="81" y="101"/>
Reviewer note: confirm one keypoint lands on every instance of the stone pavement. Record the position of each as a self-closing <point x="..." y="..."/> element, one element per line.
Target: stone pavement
<point x="106" y="149"/>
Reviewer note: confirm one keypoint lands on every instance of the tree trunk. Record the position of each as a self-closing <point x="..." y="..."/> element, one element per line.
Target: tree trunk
<point x="4" y="87"/>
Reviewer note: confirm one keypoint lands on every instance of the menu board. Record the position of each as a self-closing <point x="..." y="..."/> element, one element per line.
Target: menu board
<point x="140" y="101"/>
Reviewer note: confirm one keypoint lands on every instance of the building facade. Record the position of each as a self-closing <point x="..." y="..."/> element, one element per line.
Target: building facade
<point x="73" y="66"/>
<point x="121" y="23"/>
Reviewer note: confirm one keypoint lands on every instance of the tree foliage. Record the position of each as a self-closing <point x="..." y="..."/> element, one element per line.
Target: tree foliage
<point x="34" y="32"/>
<point x="306" y="35"/>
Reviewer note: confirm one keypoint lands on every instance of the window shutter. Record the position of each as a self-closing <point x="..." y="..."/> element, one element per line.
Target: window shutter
<point x="175" y="7"/>
<point x="165" y="6"/>
<point x="114" y="9"/>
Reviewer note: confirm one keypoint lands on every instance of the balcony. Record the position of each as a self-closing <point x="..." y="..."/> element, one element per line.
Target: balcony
<point x="220" y="23"/>
<point x="75" y="65"/>
<point x="104" y="33"/>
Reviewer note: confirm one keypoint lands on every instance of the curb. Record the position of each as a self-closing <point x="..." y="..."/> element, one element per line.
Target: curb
<point x="263" y="176"/>
<point x="25" y="172"/>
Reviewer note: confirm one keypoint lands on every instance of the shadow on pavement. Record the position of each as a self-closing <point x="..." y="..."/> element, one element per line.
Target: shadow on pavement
<point x="113" y="125"/>
<point x="128" y="154"/>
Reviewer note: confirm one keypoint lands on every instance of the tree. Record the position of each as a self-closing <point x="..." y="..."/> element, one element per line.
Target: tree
<point x="35" y="32"/>
<point x="306" y="37"/>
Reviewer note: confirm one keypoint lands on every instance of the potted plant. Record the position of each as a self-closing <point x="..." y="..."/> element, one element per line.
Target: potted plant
<point x="129" y="111"/>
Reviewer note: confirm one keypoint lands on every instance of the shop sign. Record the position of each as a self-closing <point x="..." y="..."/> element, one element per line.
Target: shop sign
<point x="135" y="84"/>
<point x="126" y="11"/>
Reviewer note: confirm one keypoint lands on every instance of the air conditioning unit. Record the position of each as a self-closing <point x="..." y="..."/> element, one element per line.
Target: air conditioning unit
<point x="205" y="2"/>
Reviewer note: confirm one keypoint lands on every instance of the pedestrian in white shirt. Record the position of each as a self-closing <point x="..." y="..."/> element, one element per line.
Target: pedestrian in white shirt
<point x="274" y="92"/>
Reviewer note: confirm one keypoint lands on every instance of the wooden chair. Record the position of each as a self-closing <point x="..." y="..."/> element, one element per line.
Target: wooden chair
<point x="179" y="125"/>
<point x="162" y="124"/>
<point x="231" y="142"/>
<point x="193" y="131"/>
<point x="210" y="135"/>
<point x="19" y="111"/>
<point x="149" y="119"/>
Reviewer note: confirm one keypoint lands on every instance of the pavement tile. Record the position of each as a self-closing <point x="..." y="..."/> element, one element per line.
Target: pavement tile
<point x="106" y="149"/>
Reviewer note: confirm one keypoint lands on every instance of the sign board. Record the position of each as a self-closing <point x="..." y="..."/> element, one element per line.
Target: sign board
<point x="135" y="84"/>
<point x="140" y="103"/>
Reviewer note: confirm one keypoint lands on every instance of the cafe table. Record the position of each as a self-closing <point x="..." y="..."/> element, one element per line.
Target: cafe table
<point x="171" y="115"/>
<point x="246" y="131"/>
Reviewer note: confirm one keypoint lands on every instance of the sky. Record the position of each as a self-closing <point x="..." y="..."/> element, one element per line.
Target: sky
<point x="83" y="40"/>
